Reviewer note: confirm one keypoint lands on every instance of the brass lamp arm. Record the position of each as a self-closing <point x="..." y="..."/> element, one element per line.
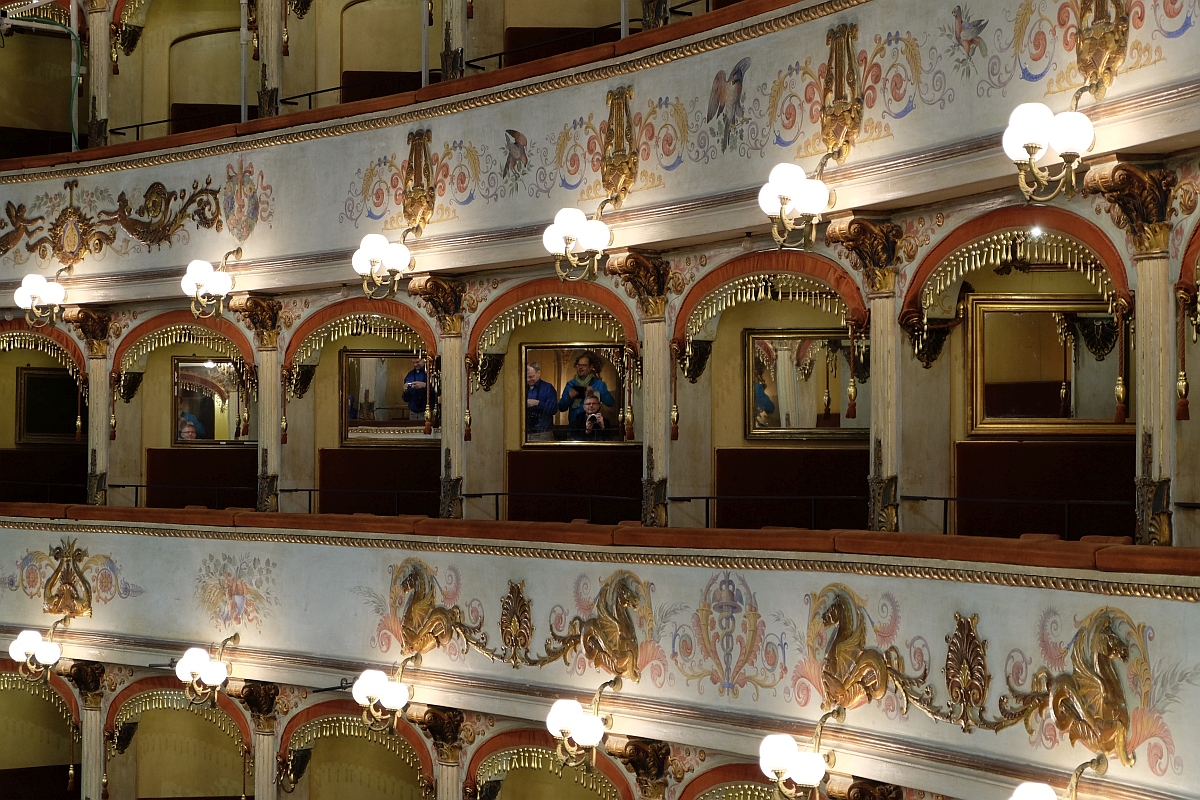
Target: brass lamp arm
<point x="1099" y="765"/>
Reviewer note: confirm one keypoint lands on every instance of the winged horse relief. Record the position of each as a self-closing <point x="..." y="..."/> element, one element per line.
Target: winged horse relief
<point x="414" y="613"/>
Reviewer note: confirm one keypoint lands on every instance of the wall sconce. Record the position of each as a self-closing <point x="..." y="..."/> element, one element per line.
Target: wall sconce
<point x="34" y="655"/>
<point x="40" y="298"/>
<point x="780" y="759"/>
<point x="580" y="732"/>
<point x="208" y="286"/>
<point x="579" y="241"/>
<point x="382" y="698"/>
<point x="202" y="675"/>
<point x="795" y="203"/>
<point x="379" y="262"/>
<point x="1033" y="129"/>
<point x="1043" y="791"/>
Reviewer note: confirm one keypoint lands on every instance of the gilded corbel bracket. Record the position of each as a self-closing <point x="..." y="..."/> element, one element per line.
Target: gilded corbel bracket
<point x="262" y="314"/>
<point x="850" y="787"/>
<point x="442" y="298"/>
<point x="261" y="700"/>
<point x="871" y="245"/>
<point x="88" y="677"/>
<point x="649" y="761"/>
<point x="648" y="278"/>
<point x="93" y="327"/>
<point x="443" y="726"/>
<point x="1142" y="198"/>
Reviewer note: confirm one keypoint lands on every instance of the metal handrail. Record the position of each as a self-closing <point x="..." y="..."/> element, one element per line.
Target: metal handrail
<point x="811" y="498"/>
<point x="137" y="129"/>
<point x="1066" y="504"/>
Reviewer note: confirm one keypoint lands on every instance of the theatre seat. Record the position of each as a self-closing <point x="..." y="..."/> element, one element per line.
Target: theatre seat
<point x="1062" y="555"/>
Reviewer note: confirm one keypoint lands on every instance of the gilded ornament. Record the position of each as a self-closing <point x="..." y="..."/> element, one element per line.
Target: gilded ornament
<point x="425" y="624"/>
<point x="420" y="193"/>
<point x="486" y="369"/>
<point x="647" y="278"/>
<point x="262" y="315"/>
<point x="872" y="245"/>
<point x="649" y="761"/>
<point x="841" y="97"/>
<point x="516" y="625"/>
<point x="443" y="299"/>
<point x="72" y="235"/>
<point x="443" y="726"/>
<point x="1153" y="500"/>
<point x="154" y="223"/>
<point x="619" y="152"/>
<point x="1102" y="43"/>
<point x="22" y="226"/>
<point x="883" y="501"/>
<point x="1141" y="198"/>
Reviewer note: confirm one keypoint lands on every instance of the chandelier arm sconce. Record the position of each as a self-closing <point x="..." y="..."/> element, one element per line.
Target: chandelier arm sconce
<point x="208" y="286"/>
<point x="41" y="299"/>
<point x="382" y="698"/>
<point x="579" y="732"/>
<point x="36" y="656"/>
<point x="837" y="714"/>
<point x="1034" y="129"/>
<point x="202" y="675"/>
<point x="1043" y="791"/>
<point x="798" y="773"/>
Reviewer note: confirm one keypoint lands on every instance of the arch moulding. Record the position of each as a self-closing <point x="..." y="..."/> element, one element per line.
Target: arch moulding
<point x="542" y="740"/>
<point x="54" y="334"/>
<point x="549" y="287"/>
<point x="392" y="309"/>
<point x="823" y="269"/>
<point x="1187" y="267"/>
<point x="721" y="776"/>
<point x="171" y="683"/>
<point x="349" y="708"/>
<point x="218" y="325"/>
<point x="1049" y="218"/>
<point x="57" y="683"/>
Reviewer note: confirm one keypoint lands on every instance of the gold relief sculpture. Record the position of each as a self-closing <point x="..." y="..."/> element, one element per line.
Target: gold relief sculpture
<point x="1102" y="44"/>
<point x="609" y="638"/>
<point x="202" y="206"/>
<point x="425" y="624"/>
<point x="419" y="190"/>
<point x="842" y="101"/>
<point x="647" y="278"/>
<point x="71" y="236"/>
<point x="22" y="226"/>
<point x="619" y="153"/>
<point x="67" y="591"/>
<point x="1088" y="703"/>
<point x="445" y="300"/>
<point x="853" y="674"/>
<point x="516" y="625"/>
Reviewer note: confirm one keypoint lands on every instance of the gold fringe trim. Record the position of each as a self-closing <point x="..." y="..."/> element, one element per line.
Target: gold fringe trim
<point x="739" y="791"/>
<point x="42" y="690"/>
<point x="23" y="340"/>
<point x="556" y="309"/>
<point x="333" y="727"/>
<point x="175" y="699"/>
<point x="358" y="325"/>
<point x="192" y="334"/>
<point x="498" y="765"/>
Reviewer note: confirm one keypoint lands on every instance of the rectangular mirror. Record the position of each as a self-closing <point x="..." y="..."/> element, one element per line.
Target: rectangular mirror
<point x="48" y="407"/>
<point x="797" y="385"/>
<point x="212" y="405"/>
<point x="386" y="396"/>
<point x="1046" y="365"/>
<point x="572" y="393"/>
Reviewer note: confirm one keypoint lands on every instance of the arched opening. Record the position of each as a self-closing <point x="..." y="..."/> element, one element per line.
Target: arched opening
<point x="729" y="782"/>
<point x="39" y="739"/>
<point x="768" y="347"/>
<point x="186" y="415"/>
<point x="554" y="385"/>
<point x="172" y="751"/>
<point x="522" y="764"/>
<point x="43" y="371"/>
<point x="1019" y="322"/>
<point x="364" y="411"/>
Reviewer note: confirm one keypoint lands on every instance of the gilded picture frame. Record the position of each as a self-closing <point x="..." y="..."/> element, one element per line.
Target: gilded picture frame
<point x="209" y="404"/>
<point x="62" y="404"/>
<point x="558" y="367"/>
<point x="382" y="416"/>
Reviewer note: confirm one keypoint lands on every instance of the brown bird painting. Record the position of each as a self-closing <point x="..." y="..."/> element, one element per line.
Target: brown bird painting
<point x="726" y="97"/>
<point x="514" y="146"/>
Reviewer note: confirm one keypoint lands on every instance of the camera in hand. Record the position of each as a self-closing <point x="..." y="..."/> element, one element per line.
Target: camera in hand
<point x="593" y="419"/>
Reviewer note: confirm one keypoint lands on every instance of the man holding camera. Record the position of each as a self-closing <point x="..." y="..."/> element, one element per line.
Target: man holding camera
<point x="416" y="388"/>
<point x="585" y="382"/>
<point x="589" y="425"/>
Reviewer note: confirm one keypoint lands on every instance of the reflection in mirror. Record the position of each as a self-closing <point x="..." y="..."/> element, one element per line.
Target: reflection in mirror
<point x="798" y="384"/>
<point x="573" y="393"/>
<point x="212" y="405"/>
<point x="387" y="396"/>
<point x="1044" y="360"/>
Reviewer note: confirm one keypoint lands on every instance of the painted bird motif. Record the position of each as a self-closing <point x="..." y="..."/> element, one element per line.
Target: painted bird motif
<point x="967" y="32"/>
<point x="726" y="97"/>
<point x="514" y="146"/>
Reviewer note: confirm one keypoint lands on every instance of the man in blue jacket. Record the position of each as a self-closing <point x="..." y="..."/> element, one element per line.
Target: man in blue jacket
<point x="586" y="378"/>
<point x="416" y="388"/>
<point x="541" y="403"/>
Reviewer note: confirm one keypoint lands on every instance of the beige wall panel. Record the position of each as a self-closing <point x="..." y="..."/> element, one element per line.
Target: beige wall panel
<point x="181" y="754"/>
<point x="351" y="768"/>
<point x="532" y="784"/>
<point x="32" y="733"/>
<point x="9" y="362"/>
<point x="575" y="14"/>
<point x="206" y="69"/>
<point x="37" y="82"/>
<point x="166" y="21"/>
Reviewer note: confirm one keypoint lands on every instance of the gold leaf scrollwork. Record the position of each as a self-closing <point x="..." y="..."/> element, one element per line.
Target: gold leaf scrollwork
<point x="68" y="592"/>
<point x="1103" y="42"/>
<point x="619" y="154"/>
<point x="155" y="223"/>
<point x="516" y="625"/>
<point x="842" y="101"/>
<point x="419" y="191"/>
<point x="70" y="237"/>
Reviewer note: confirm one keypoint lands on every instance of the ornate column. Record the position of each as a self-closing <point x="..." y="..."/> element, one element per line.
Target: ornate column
<point x="444" y="727"/>
<point x="263" y="315"/>
<point x="88" y="677"/>
<point x="270" y="54"/>
<point x="443" y="300"/>
<point x="649" y="761"/>
<point x="871" y="244"/>
<point x="1140" y="199"/>
<point x="92" y="326"/>
<point x="99" y="49"/>
<point x="259" y="699"/>
<point x="454" y="39"/>
<point x="649" y="278"/>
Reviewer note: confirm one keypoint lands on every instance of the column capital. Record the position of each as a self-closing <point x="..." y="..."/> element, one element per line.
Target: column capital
<point x="443" y="299"/>
<point x="88" y="677"/>
<point x="648" y="760"/>
<point x="872" y="243"/>
<point x="263" y="315"/>
<point x="849" y="787"/>
<point x="260" y="699"/>
<point x="443" y="726"/>
<point x="1141" y="199"/>
<point x="97" y="6"/>
<point x="647" y="278"/>
<point x="93" y="326"/>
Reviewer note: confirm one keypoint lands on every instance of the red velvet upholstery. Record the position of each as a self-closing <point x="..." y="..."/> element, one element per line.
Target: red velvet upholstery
<point x="1063" y="555"/>
<point x="361" y="523"/>
<point x="169" y="516"/>
<point x="549" y="532"/>
<point x="1146" y="559"/>
<point x="785" y="539"/>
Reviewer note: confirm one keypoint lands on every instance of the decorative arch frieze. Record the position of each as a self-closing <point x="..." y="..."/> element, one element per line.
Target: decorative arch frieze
<point x="729" y="782"/>
<point x="181" y="327"/>
<point x="166" y="692"/>
<point x="16" y="334"/>
<point x="355" y="317"/>
<point x="549" y="298"/>
<point x="55" y="691"/>
<point x="536" y="749"/>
